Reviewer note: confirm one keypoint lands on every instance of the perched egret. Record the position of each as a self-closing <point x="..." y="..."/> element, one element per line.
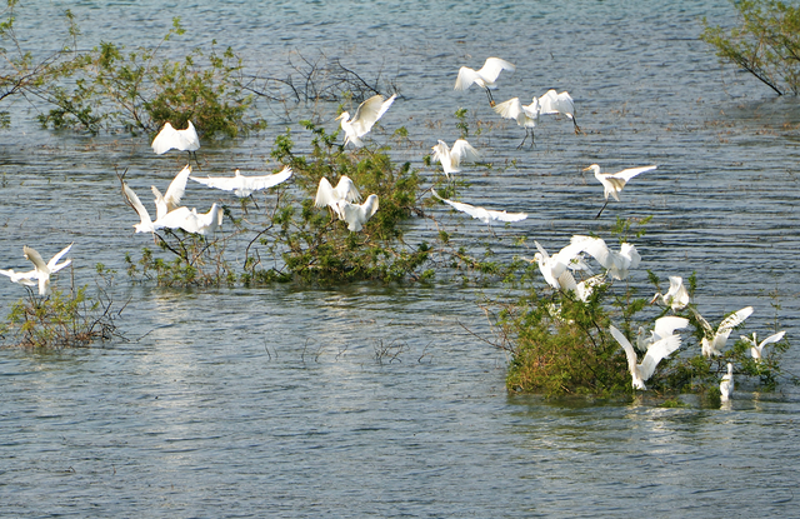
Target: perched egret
<point x="243" y="186"/>
<point x="451" y="159"/>
<point x="641" y="372"/>
<point x="485" y="77"/>
<point x="555" y="268"/>
<point x="726" y="385"/>
<point x="664" y="327"/>
<point x="192" y="222"/>
<point x="357" y="215"/>
<point x="714" y="340"/>
<point x="44" y="270"/>
<point x="614" y="182"/>
<point x="676" y="297"/>
<point x="365" y="118"/>
<point x="172" y="198"/>
<point x="487" y="216"/>
<point x="527" y="116"/>
<point x="617" y="264"/>
<point x="756" y="348"/>
<point x="184" y="140"/>
<point x="345" y="191"/>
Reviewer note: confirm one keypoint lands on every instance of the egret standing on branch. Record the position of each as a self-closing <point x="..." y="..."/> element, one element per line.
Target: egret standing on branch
<point x="365" y="118"/>
<point x="676" y="297"/>
<point x="451" y="159"/>
<point x="357" y="215"/>
<point x="184" y="140"/>
<point x="614" y="182"/>
<point x="757" y="348"/>
<point x="714" y="340"/>
<point x="345" y="191"/>
<point x="485" y="77"/>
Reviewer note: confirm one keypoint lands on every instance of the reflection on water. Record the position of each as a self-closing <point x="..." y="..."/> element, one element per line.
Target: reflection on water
<point x="373" y="401"/>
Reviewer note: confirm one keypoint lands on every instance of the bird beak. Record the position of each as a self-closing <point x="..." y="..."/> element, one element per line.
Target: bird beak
<point x="340" y="116"/>
<point x="586" y="169"/>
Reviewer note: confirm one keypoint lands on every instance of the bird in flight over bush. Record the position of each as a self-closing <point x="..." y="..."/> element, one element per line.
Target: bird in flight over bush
<point x="41" y="271"/>
<point x="170" y="138"/>
<point x="364" y="119"/>
<point x="451" y="159"/>
<point x="243" y="186"/>
<point x="485" y="77"/>
<point x="327" y="195"/>
<point x="172" y="199"/>
<point x="487" y="216"/>
<point x="614" y="182"/>
<point x="714" y="340"/>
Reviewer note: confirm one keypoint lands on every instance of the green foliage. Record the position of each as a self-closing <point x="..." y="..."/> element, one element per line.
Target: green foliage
<point x="766" y="43"/>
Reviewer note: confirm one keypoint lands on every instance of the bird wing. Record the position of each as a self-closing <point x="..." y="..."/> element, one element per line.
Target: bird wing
<point x="471" y="210"/>
<point x="223" y="183"/>
<point x="466" y="77"/>
<point x="325" y="195"/>
<point x="656" y="352"/>
<point x="666" y="326"/>
<point x="189" y="141"/>
<point x="354" y="215"/>
<point x="166" y="139"/>
<point x="734" y="320"/>
<point x="626" y="345"/>
<point x="346" y="190"/>
<point x="554" y="103"/>
<point x="267" y="181"/>
<point x="176" y="188"/>
<point x="504" y="216"/>
<point x="173" y="219"/>
<point x="52" y="264"/>
<point x="440" y="152"/>
<point x="463" y="151"/>
<point x="34" y="257"/>
<point x="627" y="174"/>
<point x="511" y="109"/>
<point x="135" y="203"/>
<point x="161" y="204"/>
<point x="370" y="206"/>
<point x="22" y="278"/>
<point x="596" y="248"/>
<point x="369" y="112"/>
<point x="631" y="256"/>
<point x="777" y="337"/>
<point x="493" y="66"/>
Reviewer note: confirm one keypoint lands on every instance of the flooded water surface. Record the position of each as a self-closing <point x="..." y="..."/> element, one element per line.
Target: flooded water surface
<point x="375" y="401"/>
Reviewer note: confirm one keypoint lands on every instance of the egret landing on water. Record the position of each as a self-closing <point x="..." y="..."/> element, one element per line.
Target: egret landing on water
<point x="327" y="195"/>
<point x="527" y="116"/>
<point x="451" y="159"/>
<point x="485" y="77"/>
<point x="641" y="372"/>
<point x="170" y="138"/>
<point x="243" y="186"/>
<point x="614" y="182"/>
<point x="757" y="348"/>
<point x="365" y="118"/>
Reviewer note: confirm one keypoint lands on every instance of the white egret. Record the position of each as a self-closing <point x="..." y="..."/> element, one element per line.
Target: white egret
<point x="583" y="289"/>
<point x="756" y="348"/>
<point x="487" y="216"/>
<point x="345" y="191"/>
<point x="243" y="186"/>
<point x="555" y="268"/>
<point x="641" y="372"/>
<point x="451" y="159"/>
<point x="192" y="222"/>
<point x="527" y="116"/>
<point x="365" y="118"/>
<point x="27" y="279"/>
<point x="614" y="182"/>
<point x="485" y="77"/>
<point x="170" y="138"/>
<point x="617" y="264"/>
<point x="145" y="222"/>
<point x="44" y="270"/>
<point x="357" y="215"/>
<point x="172" y="198"/>
<point x="726" y="385"/>
<point x="676" y="297"/>
<point x="664" y="327"/>
<point x="714" y="340"/>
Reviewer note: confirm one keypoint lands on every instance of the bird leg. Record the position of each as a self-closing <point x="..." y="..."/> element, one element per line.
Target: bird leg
<point x="601" y="210"/>
<point x="578" y="130"/>
<point x="193" y="154"/>
<point x="491" y="99"/>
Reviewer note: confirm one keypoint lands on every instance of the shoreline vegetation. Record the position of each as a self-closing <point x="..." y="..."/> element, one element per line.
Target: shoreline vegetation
<point x="558" y="335"/>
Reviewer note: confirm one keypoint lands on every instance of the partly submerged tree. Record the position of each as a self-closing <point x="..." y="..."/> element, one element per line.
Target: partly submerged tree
<point x="766" y="43"/>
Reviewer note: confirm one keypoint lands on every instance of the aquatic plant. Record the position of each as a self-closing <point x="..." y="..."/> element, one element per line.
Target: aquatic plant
<point x="766" y="43"/>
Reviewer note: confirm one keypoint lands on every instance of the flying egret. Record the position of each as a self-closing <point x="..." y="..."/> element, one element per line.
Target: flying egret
<point x="365" y="118"/>
<point x="642" y="371"/>
<point x="172" y="198"/>
<point x="756" y="348"/>
<point x="664" y="327"/>
<point x="345" y="191"/>
<point x="184" y="140"/>
<point x="132" y="199"/>
<point x="485" y="77"/>
<point x="714" y="340"/>
<point x="614" y="182"/>
<point x="676" y="297"/>
<point x="487" y="216"/>
<point x="243" y="186"/>
<point x="617" y="264"/>
<point x="451" y="159"/>
<point x="726" y="385"/>
<point x="44" y="270"/>
<point x="555" y="268"/>
<point x="192" y="222"/>
<point x="357" y="215"/>
<point x="527" y="116"/>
